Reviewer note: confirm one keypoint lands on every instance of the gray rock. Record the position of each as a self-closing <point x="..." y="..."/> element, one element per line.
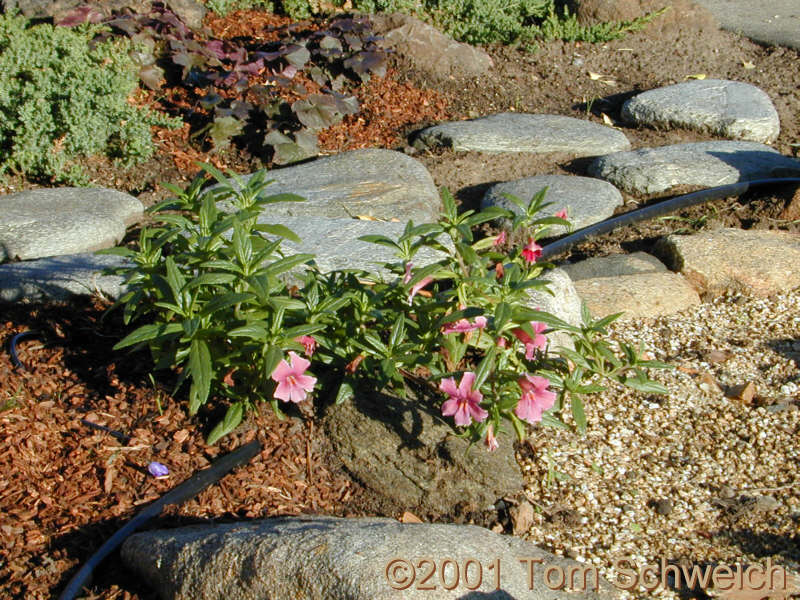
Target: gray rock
<point x="428" y="48"/>
<point x="517" y="132"/>
<point x="335" y="243"/>
<point x="705" y="164"/>
<point x="773" y="22"/>
<point x="727" y="108"/>
<point x="563" y="302"/>
<point x="57" y="221"/>
<point x="405" y="451"/>
<point x="586" y="200"/>
<point x="383" y="184"/>
<point x="637" y="285"/>
<point x="756" y="262"/>
<point x="326" y="558"/>
<point x="59" y="277"/>
<point x="190" y="11"/>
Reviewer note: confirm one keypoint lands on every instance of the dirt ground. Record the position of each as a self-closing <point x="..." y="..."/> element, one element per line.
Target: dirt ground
<point x="66" y="488"/>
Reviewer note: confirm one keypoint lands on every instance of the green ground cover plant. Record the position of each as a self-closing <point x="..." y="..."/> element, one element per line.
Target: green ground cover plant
<point x="210" y="294"/>
<point x="62" y="99"/>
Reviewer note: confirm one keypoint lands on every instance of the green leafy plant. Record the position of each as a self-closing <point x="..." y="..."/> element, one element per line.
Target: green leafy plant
<point x="223" y="7"/>
<point x="211" y="289"/>
<point x="61" y="99"/>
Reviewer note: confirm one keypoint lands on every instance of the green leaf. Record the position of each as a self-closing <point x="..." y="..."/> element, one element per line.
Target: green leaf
<point x="283" y="197"/>
<point x="642" y="384"/>
<point x="278" y="230"/>
<point x="233" y="417"/>
<point x="286" y="264"/>
<point x="272" y="357"/>
<point x="175" y="279"/>
<point x="398" y="331"/>
<point x="211" y="279"/>
<point x="502" y="315"/>
<point x="449" y="204"/>
<point x="380" y="239"/>
<point x="225" y="301"/>
<point x="299" y="330"/>
<point x="201" y="371"/>
<point x="148" y="332"/>
<point x="578" y="413"/>
<point x="345" y="392"/>
<point x="485" y="367"/>
<point x="254" y="331"/>
<point x="523" y="313"/>
<point x="549" y="420"/>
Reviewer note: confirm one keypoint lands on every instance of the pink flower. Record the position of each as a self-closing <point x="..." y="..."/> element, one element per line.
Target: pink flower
<point x="501" y="342"/>
<point x="463" y="325"/>
<point x="464" y="402"/>
<point x="535" y="399"/>
<point x="491" y="441"/>
<point x="562" y="214"/>
<point x="532" y="251"/>
<point x="538" y="342"/>
<point x="417" y="287"/>
<point x="292" y="383"/>
<point x="308" y="342"/>
<point x="407" y="276"/>
<point x="500" y="239"/>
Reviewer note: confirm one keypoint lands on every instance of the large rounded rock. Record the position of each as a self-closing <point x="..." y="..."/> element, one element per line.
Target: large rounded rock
<point x="326" y="558"/>
<point x="376" y="183"/>
<point x="518" y="132"/>
<point x="404" y="450"/>
<point x="587" y="200"/>
<point x="58" y="221"/>
<point x="727" y="108"/>
<point x="702" y="164"/>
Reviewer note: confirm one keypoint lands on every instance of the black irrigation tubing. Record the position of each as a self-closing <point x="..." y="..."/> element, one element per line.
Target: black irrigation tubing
<point x="183" y="492"/>
<point x="12" y="348"/>
<point x="660" y="209"/>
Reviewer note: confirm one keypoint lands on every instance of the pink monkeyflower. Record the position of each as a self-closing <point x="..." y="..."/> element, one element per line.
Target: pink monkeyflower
<point x="535" y="399"/>
<point x="293" y="385"/>
<point x="463" y="325"/>
<point x="501" y="342"/>
<point x="464" y="402"/>
<point x="538" y="342"/>
<point x="531" y="251"/>
<point x="562" y="214"/>
<point x="417" y="287"/>
<point x="407" y="276"/>
<point x="491" y="441"/>
<point x="500" y="239"/>
<point x="308" y="342"/>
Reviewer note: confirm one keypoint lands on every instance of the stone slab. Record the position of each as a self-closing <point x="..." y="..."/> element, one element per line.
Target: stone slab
<point x="564" y="302"/>
<point x="756" y="262"/>
<point x="703" y="164"/>
<point x="731" y="109"/>
<point x="378" y="183"/>
<point x="637" y="285"/>
<point x="519" y="132"/>
<point x="327" y="558"/>
<point x="68" y="220"/>
<point x="587" y="200"/>
<point x="60" y="277"/>
<point x="771" y="22"/>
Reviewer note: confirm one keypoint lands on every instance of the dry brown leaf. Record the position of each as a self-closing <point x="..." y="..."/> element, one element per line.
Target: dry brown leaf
<point x="409" y="517"/>
<point x="744" y="392"/>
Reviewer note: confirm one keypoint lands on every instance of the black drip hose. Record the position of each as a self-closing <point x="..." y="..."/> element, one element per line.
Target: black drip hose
<point x="660" y="209"/>
<point x="186" y="490"/>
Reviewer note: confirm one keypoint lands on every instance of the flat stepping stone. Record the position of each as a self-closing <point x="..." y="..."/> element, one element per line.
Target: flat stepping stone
<point x="329" y="558"/>
<point x="587" y="200"/>
<point x="756" y="262"/>
<point x="730" y="109"/>
<point x="638" y="285"/>
<point x="335" y="243"/>
<point x="60" y="277"/>
<point x="383" y="184"/>
<point x="58" y="221"/>
<point x="703" y="164"/>
<point x="519" y="132"/>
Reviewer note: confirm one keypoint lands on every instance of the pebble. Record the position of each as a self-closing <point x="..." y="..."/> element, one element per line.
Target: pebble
<point x="520" y="132"/>
<point x="703" y="164"/>
<point x="729" y="109"/>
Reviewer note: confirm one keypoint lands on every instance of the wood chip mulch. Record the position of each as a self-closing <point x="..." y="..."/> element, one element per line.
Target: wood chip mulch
<point x="67" y="487"/>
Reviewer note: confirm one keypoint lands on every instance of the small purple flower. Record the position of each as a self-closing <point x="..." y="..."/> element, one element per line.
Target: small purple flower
<point x="158" y="470"/>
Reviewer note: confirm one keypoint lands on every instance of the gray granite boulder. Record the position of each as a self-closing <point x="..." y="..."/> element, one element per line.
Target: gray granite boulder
<point x="327" y="558"/>
<point x="383" y="184"/>
<point x="587" y="200"/>
<point x="755" y="262"/>
<point x="57" y="221"/>
<point x="191" y="12"/>
<point x="703" y="164"/>
<point x="428" y="48"/>
<point x="59" y="277"/>
<point x="727" y="108"/>
<point x="638" y="285"/>
<point x="404" y="450"/>
<point x="518" y="132"/>
<point x="335" y="243"/>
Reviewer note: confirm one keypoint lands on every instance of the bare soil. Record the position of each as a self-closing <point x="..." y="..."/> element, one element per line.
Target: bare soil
<point x="65" y="488"/>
